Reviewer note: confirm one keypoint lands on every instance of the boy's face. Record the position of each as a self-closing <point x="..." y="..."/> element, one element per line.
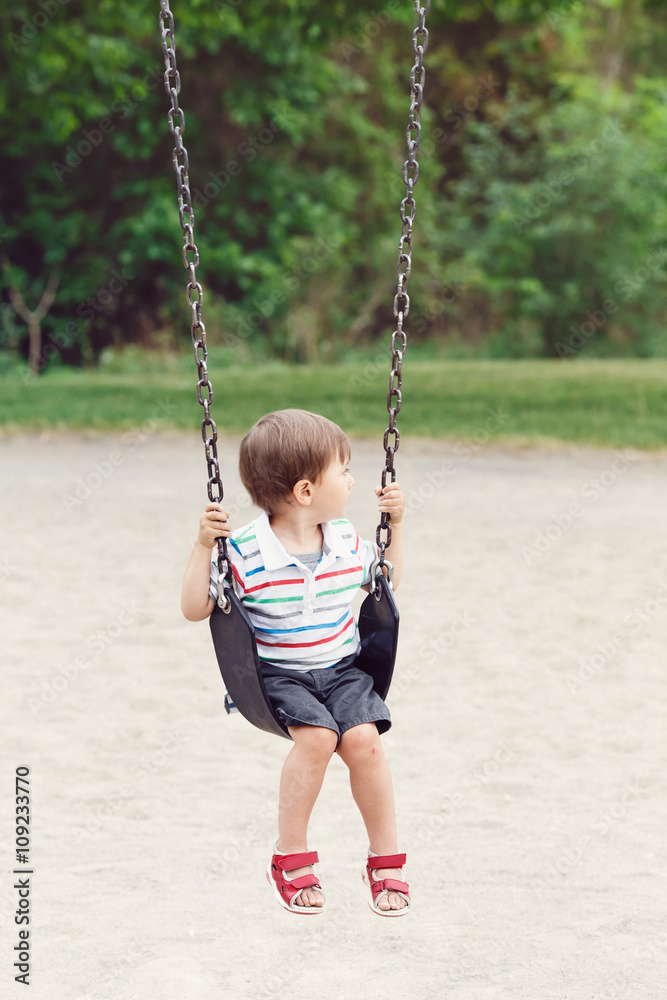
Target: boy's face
<point x="332" y="490"/>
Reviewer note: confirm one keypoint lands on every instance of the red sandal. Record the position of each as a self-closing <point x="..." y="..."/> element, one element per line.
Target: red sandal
<point x="288" y="890"/>
<point x="379" y="887"/>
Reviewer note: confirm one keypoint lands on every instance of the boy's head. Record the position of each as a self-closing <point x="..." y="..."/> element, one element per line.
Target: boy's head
<point x="285" y="447"/>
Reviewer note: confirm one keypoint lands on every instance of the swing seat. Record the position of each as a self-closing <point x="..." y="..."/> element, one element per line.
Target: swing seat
<point x="236" y="651"/>
<point x="235" y="647"/>
<point x="378" y="631"/>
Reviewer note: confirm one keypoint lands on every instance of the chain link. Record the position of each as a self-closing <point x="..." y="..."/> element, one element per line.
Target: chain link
<point x="408" y="209"/>
<point x="194" y="291"/>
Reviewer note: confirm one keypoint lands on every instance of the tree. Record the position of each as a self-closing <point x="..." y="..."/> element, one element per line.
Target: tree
<point x="33" y="317"/>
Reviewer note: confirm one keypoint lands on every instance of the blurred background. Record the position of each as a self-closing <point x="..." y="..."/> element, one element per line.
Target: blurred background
<point x="541" y="202"/>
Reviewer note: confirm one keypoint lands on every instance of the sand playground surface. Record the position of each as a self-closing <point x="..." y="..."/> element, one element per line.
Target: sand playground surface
<point x="528" y="743"/>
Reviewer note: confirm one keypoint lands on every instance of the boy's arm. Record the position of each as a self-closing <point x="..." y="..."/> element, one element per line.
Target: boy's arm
<point x="196" y="602"/>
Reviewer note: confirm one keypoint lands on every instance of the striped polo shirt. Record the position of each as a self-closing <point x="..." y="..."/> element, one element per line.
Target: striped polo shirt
<point x="302" y="618"/>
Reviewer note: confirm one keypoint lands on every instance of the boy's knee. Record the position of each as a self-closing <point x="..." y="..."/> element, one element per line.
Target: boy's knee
<point x="317" y="740"/>
<point x="360" y="739"/>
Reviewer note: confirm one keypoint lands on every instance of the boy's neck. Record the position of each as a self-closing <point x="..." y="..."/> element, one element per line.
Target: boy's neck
<point x="296" y="534"/>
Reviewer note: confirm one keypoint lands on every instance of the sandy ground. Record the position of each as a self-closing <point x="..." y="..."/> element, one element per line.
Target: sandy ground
<point x="528" y="747"/>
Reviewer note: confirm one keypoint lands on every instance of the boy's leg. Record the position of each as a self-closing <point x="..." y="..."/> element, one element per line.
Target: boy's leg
<point x="300" y="784"/>
<point x="370" y="781"/>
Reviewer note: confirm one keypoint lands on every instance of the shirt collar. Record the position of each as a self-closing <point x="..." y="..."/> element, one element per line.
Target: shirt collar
<point x="276" y="556"/>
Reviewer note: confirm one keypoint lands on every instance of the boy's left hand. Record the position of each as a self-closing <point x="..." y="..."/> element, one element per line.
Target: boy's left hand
<point x="391" y="500"/>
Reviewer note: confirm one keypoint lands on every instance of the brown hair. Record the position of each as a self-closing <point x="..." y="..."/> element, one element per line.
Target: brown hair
<point x="284" y="447"/>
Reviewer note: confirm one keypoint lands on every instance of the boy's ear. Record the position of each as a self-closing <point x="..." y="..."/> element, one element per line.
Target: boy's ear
<point x="303" y="492"/>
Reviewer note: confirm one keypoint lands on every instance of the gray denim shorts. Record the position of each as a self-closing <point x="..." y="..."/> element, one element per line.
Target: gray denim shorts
<point x="337" y="697"/>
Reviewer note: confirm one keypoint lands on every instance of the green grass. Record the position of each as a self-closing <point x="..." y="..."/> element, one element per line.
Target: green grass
<point x="607" y="403"/>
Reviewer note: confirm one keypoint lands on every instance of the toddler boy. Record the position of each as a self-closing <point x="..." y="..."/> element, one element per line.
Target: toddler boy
<point x="297" y="568"/>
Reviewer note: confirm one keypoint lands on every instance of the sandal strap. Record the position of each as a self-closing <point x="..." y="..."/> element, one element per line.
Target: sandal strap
<point x="387" y="861"/>
<point x="387" y="884"/>
<point x="304" y="882"/>
<point x="286" y="862"/>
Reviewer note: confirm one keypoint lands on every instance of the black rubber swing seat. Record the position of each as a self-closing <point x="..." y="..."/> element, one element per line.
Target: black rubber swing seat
<point x="236" y="650"/>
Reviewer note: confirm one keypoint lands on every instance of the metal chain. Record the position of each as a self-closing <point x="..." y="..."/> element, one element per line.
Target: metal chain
<point x="193" y="291"/>
<point x="401" y="299"/>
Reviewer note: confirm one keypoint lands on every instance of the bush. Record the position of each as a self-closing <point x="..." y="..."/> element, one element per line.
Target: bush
<point x="557" y="227"/>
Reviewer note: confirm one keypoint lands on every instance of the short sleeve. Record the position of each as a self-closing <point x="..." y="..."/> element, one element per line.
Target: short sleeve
<point x="368" y="552"/>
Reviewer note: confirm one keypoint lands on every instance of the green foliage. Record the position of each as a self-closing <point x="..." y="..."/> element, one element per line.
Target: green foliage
<point x="557" y="226"/>
<point x="295" y="128"/>
<point x="283" y="154"/>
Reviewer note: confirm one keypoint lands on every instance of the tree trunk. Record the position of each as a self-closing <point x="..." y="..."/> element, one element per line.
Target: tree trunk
<point x="35" y="332"/>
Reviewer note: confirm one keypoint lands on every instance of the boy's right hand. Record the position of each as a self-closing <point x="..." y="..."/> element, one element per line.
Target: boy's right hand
<point x="213" y="524"/>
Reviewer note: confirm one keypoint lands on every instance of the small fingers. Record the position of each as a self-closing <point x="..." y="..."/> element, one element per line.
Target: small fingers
<point x="220" y="529"/>
<point x="392" y="500"/>
<point x="217" y="515"/>
<point x="214" y="524"/>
